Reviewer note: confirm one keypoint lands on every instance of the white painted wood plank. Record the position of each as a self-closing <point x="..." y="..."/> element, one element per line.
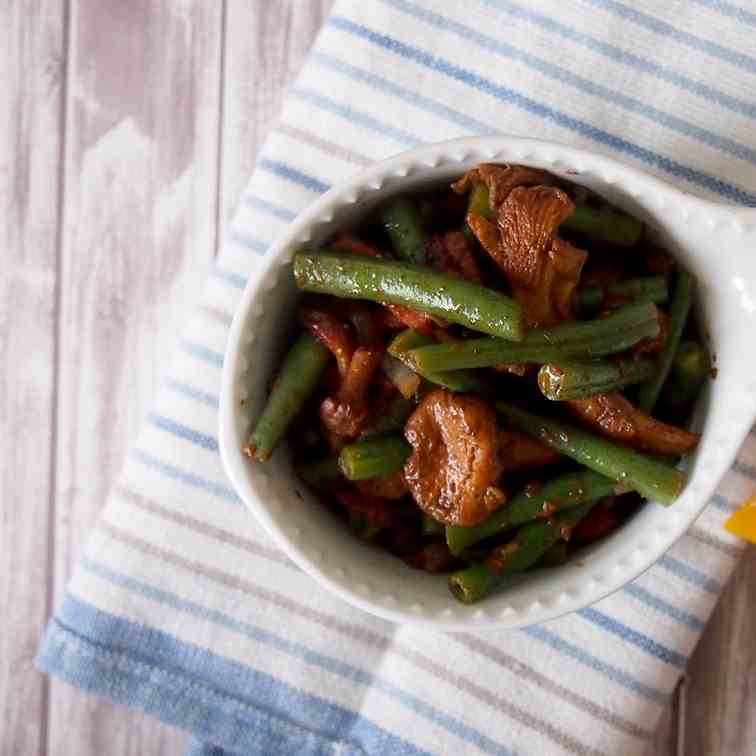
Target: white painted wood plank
<point x="266" y="45"/>
<point x="31" y="67"/>
<point x="143" y="118"/>
<point x="721" y="716"/>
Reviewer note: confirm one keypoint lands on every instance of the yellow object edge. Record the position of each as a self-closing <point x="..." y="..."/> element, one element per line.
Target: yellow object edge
<point x="743" y="522"/>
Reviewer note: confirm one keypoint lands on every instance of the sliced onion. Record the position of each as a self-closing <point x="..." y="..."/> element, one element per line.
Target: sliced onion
<point x="405" y="380"/>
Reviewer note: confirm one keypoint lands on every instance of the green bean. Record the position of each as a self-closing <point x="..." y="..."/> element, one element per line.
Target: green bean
<point x="402" y="221"/>
<point x="454" y="299"/>
<point x="650" y="288"/>
<point x="462" y="381"/>
<point x="689" y="370"/>
<point x="584" y="339"/>
<point x="318" y="471"/>
<point x="678" y="315"/>
<point x="296" y="381"/>
<point x="473" y="583"/>
<point x="373" y="457"/>
<point x="478" y="201"/>
<point x="394" y="417"/>
<point x="576" y="380"/>
<point x="650" y="477"/>
<point x="525" y="550"/>
<point x="605" y="225"/>
<point x="550" y="497"/>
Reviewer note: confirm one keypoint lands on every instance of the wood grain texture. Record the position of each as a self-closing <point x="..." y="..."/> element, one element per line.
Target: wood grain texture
<point x="721" y="716"/>
<point x="266" y="45"/>
<point x="664" y="742"/>
<point x="139" y="229"/>
<point x="144" y="171"/>
<point x="31" y="68"/>
<point x="158" y="123"/>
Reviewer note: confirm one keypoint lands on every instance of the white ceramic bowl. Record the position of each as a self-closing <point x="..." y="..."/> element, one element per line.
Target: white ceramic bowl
<point x="716" y="243"/>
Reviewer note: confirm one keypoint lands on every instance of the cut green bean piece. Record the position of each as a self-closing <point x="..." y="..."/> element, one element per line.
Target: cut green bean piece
<point x="525" y="550"/>
<point x="479" y="202"/>
<point x="650" y="288"/>
<point x="650" y="477"/>
<point x="584" y="339"/>
<point x="460" y="381"/>
<point x="402" y="221"/>
<point x="533" y="540"/>
<point x="374" y="457"/>
<point x="682" y="299"/>
<point x="690" y="368"/>
<point x="576" y="380"/>
<point x="318" y="471"/>
<point x="297" y="380"/>
<point x="604" y="225"/>
<point x="550" y="497"/>
<point x="473" y="583"/>
<point x="454" y="299"/>
<point x="601" y="224"/>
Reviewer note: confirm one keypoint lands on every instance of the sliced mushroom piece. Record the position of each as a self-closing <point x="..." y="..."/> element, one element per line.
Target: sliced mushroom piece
<point x="615" y="417"/>
<point x="542" y="269"/>
<point x="454" y="465"/>
<point x="389" y="487"/>
<point x="519" y="451"/>
<point x="349" y="412"/>
<point x="335" y="335"/>
<point x="453" y="253"/>
<point x="500" y="179"/>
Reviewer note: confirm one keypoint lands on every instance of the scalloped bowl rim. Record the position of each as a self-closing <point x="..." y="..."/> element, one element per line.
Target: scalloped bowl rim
<point x="603" y="573"/>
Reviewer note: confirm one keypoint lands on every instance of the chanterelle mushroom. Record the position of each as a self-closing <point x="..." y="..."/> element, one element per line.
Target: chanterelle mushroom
<point x="454" y="464"/>
<point x="614" y="416"/>
<point x="542" y="269"/>
<point x="349" y="412"/>
<point x="500" y="179"/>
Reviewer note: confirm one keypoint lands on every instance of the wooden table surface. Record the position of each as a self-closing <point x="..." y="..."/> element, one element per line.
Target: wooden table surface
<point x="128" y="131"/>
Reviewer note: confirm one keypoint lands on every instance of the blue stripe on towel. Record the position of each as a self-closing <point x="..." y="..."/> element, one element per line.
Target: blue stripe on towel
<point x="580" y="655"/>
<point x="530" y="105"/>
<point x="271" y="208"/>
<point x="193" y="393"/>
<point x="626" y="57"/>
<point x="147" y="644"/>
<point x="728" y="9"/>
<point x="658" y="603"/>
<point x="633" y="637"/>
<point x="220" y="700"/>
<point x="188" y="478"/>
<point x="662" y="28"/>
<point x="236" y="280"/>
<point x="284" y="171"/>
<point x="348" y="113"/>
<point x="200" y="351"/>
<point x="563" y="75"/>
<point x="402" y="93"/>
<point x="183" y="432"/>
<point x="690" y="574"/>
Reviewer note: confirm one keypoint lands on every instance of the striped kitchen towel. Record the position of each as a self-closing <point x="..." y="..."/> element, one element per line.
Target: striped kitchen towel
<point x="182" y="607"/>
